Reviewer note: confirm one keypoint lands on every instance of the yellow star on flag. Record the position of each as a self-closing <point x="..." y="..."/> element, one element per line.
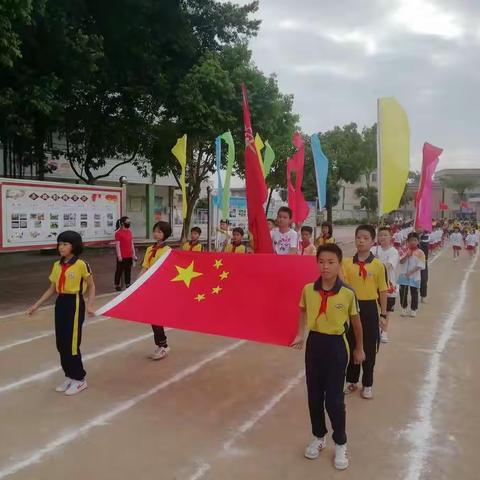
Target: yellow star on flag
<point x="216" y="290"/>
<point x="186" y="274"/>
<point x="200" y="297"/>
<point x="218" y="264"/>
<point x="224" y="275"/>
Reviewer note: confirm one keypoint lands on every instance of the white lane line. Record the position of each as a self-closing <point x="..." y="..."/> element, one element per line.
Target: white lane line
<point x="69" y="436"/>
<point x="48" y="333"/>
<point x="227" y="447"/>
<point x="90" y="356"/>
<point x="419" y="433"/>
<point x="46" y="307"/>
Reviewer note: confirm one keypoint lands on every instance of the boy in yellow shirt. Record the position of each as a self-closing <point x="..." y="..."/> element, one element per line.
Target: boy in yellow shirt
<point x="328" y="307"/>
<point x="161" y="231"/>
<point x="194" y="244"/>
<point x="236" y="244"/>
<point x="367" y="275"/>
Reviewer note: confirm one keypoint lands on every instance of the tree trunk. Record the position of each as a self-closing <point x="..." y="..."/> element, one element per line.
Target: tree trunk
<point x="191" y="201"/>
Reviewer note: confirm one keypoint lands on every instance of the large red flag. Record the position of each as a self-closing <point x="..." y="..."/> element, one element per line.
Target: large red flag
<point x="423" y="217"/>
<point x="256" y="187"/>
<point x="296" y="200"/>
<point x="254" y="297"/>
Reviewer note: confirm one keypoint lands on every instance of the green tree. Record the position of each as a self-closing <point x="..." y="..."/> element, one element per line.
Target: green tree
<point x="459" y="185"/>
<point x="368" y="199"/>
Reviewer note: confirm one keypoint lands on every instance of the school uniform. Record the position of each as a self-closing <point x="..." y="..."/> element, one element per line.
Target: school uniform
<point x="324" y="241"/>
<point x="152" y="254"/>
<point x="423" y="245"/>
<point x="232" y="248"/>
<point x="367" y="279"/>
<point x="70" y="280"/>
<point x="307" y="249"/>
<point x="327" y="354"/>
<point x="192" y="247"/>
<point x="124" y="238"/>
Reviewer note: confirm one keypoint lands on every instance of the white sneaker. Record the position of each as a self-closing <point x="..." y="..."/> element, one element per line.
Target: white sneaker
<point x="159" y="353"/>
<point x="383" y="337"/>
<point x="404" y="312"/>
<point x="367" y="393"/>
<point x="350" y="388"/>
<point x="315" y="447"/>
<point x="63" y="387"/>
<point x="413" y="313"/>
<point x="341" y="458"/>
<point x="76" y="387"/>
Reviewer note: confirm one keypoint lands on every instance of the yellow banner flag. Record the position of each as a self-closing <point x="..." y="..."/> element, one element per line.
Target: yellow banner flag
<point x="180" y="152"/>
<point x="259" y="147"/>
<point x="393" y="156"/>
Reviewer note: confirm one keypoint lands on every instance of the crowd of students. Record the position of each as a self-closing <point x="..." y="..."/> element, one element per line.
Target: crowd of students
<point x="346" y="310"/>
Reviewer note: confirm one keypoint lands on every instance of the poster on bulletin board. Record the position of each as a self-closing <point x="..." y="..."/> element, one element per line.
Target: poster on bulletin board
<point x="33" y="213"/>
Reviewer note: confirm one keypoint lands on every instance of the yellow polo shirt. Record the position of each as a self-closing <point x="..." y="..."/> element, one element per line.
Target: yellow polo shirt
<point x="369" y="287"/>
<point x="322" y="241"/>
<point x="187" y="246"/>
<point x="238" y="249"/>
<point x="151" y="257"/>
<point x="75" y="276"/>
<point x="340" y="307"/>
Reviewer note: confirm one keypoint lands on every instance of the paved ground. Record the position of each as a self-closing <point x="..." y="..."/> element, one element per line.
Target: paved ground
<point x="222" y="409"/>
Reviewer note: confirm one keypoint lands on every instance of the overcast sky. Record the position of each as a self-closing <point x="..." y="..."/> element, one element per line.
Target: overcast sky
<point x="337" y="57"/>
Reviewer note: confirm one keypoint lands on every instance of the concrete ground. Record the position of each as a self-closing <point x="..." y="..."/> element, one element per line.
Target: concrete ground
<point x="217" y="408"/>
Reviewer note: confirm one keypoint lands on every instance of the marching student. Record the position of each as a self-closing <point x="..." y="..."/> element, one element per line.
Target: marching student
<point x="161" y="232"/>
<point x="284" y="238"/>
<point x="388" y="255"/>
<point x="367" y="276"/>
<point x="326" y="236"/>
<point x="456" y="240"/>
<point x="194" y="244"/>
<point x="471" y="242"/>
<point x="423" y="245"/>
<point x="125" y="250"/>
<point x="235" y="246"/>
<point x="271" y="224"/>
<point x="412" y="262"/>
<point x="328" y="307"/>
<point x="306" y="247"/>
<point x="71" y="278"/>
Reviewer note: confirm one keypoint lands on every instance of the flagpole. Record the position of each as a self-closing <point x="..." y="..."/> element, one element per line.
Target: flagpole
<point x="379" y="165"/>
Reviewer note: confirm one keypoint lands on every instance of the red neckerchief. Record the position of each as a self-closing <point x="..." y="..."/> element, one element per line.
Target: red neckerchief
<point x="234" y="247"/>
<point x="191" y="245"/>
<point x="362" y="271"/>
<point x="304" y="246"/>
<point x="153" y="252"/>
<point x="62" y="279"/>
<point x="324" y="295"/>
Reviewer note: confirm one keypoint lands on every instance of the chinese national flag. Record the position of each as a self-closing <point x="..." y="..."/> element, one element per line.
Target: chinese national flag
<point x="253" y="297"/>
<point x="256" y="187"/>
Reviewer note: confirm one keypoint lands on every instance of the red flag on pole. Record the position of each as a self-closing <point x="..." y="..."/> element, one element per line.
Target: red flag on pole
<point x="423" y="217"/>
<point x="256" y="187"/>
<point x="464" y="204"/>
<point x="443" y="206"/>
<point x="241" y="296"/>
<point x="296" y="200"/>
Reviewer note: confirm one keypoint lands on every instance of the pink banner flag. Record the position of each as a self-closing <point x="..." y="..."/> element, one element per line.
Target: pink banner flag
<point x="296" y="200"/>
<point x="423" y="219"/>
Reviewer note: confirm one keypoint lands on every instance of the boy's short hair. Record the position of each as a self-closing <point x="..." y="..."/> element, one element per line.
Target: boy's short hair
<point x="285" y="210"/>
<point x="330" y="247"/>
<point x="164" y="227"/>
<point x="74" y="239"/>
<point x="238" y="230"/>
<point x="196" y="229"/>
<point x="271" y="220"/>
<point x="385" y="228"/>
<point x="412" y="235"/>
<point x="366" y="228"/>
<point x="306" y="228"/>
<point x="225" y="221"/>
